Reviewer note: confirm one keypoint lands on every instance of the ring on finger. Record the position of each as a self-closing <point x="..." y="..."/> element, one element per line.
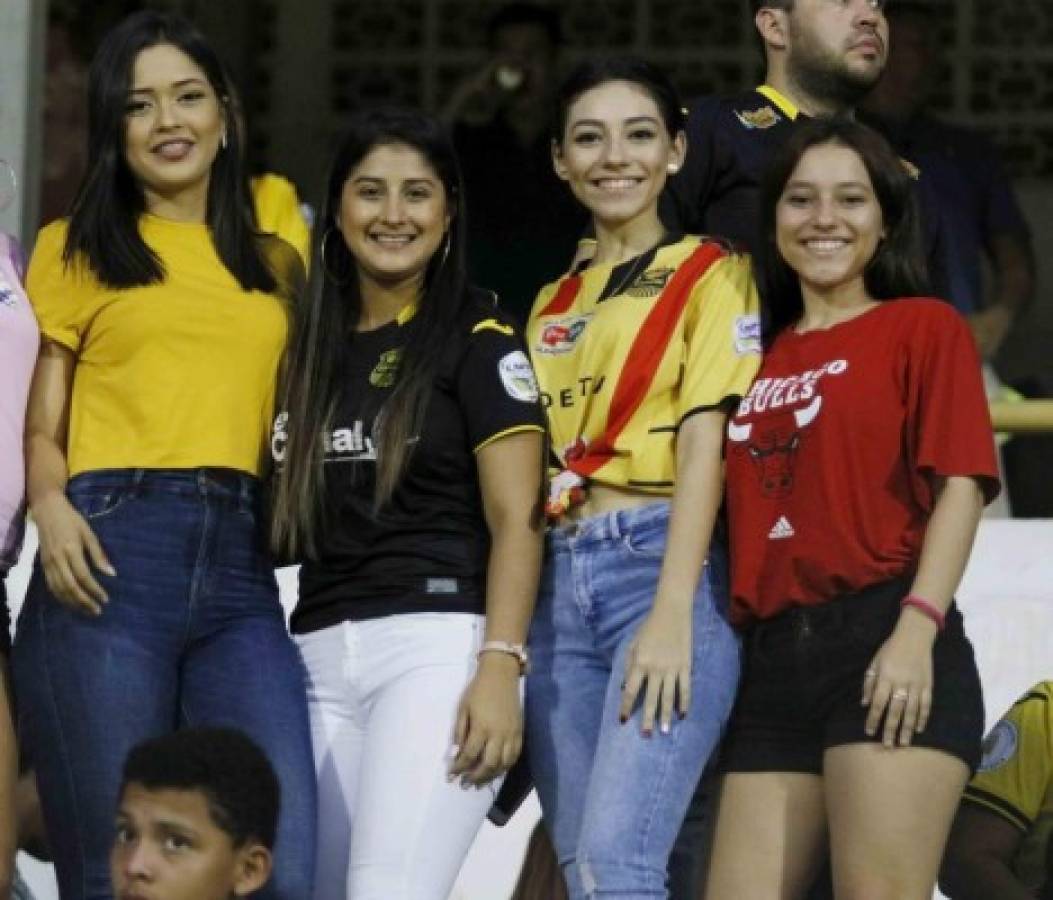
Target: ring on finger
<point x="900" y="694"/>
<point x="870" y="673"/>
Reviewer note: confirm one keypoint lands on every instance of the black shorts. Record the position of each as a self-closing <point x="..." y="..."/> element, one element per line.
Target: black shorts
<point x="802" y="681"/>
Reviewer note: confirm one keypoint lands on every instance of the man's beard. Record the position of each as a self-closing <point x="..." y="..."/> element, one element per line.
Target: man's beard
<point x="828" y="79"/>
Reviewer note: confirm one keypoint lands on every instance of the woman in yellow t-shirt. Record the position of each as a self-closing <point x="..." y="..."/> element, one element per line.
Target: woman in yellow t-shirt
<point x="639" y="356"/>
<point x="153" y="604"/>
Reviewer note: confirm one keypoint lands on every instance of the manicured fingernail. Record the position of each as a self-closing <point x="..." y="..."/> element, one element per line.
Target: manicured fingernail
<point x="681" y="716"/>
<point x="665" y="728"/>
<point x="109" y="570"/>
<point x="623" y="719"/>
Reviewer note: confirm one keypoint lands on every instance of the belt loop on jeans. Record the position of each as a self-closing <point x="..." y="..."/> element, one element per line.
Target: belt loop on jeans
<point x="615" y="526"/>
<point x="138" y="477"/>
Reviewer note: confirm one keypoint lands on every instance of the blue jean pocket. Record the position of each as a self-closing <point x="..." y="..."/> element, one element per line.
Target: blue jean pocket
<point x="646" y="541"/>
<point x="98" y="503"/>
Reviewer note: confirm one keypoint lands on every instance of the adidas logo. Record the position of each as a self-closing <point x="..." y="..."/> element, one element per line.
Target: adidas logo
<point x="781" y="530"/>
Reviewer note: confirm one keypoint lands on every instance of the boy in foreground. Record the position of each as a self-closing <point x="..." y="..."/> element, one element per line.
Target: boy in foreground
<point x="196" y="818"/>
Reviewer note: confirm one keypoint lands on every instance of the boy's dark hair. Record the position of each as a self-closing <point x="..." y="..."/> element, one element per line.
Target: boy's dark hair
<point x="223" y="764"/>
<point x="510" y="14"/>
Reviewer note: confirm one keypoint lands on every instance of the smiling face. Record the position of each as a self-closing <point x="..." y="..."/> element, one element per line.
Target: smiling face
<point x="828" y="222"/>
<point x="616" y="153"/>
<point x="174" y="124"/>
<point x="169" y="848"/>
<point x="836" y="48"/>
<point x="393" y="215"/>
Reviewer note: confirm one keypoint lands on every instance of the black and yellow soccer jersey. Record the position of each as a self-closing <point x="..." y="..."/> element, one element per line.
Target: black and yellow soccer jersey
<point x="1015" y="779"/>
<point x="427" y="549"/>
<point x="623" y="354"/>
<point x="730" y="142"/>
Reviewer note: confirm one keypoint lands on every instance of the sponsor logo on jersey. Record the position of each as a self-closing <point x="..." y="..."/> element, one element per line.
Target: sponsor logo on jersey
<point x="280" y="436"/>
<point x="345" y="444"/>
<point x="999" y="746"/>
<point x="759" y="119"/>
<point x="517" y="376"/>
<point x="747" y="334"/>
<point x="781" y="530"/>
<point x="560" y="337"/>
<point x="650" y="283"/>
<point x="387" y="367"/>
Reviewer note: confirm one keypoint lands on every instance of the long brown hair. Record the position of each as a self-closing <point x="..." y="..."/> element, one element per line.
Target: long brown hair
<point x="324" y="332"/>
<point x="540" y="877"/>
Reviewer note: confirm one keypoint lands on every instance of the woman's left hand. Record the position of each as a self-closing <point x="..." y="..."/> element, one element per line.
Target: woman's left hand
<point x="488" y="736"/>
<point x="898" y="682"/>
<point x="659" y="663"/>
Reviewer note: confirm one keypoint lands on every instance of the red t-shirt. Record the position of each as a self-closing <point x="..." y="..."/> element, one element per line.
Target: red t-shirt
<point x="830" y="455"/>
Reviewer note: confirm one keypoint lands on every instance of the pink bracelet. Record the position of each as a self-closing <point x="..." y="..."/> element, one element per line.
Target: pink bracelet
<point x="926" y="609"/>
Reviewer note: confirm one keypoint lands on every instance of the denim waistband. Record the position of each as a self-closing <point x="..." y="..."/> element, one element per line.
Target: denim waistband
<point x="606" y="526"/>
<point x="216" y="483"/>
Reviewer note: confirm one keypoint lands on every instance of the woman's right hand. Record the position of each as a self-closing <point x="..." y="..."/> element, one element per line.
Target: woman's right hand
<point x="67" y="546"/>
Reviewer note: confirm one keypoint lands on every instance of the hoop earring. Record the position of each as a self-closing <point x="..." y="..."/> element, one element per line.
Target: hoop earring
<point x="445" y="252"/>
<point x="345" y="277"/>
<point x="223" y="140"/>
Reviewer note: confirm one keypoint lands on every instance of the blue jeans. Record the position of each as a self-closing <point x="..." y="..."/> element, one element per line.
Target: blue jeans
<point x="193" y="634"/>
<point x="612" y="798"/>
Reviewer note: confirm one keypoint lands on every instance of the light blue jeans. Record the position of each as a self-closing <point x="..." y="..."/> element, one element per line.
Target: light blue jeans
<point x="613" y="800"/>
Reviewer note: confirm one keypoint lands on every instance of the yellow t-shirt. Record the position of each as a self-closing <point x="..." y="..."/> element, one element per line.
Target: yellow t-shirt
<point x="278" y="212"/>
<point x="173" y="375"/>
<point x="1015" y="779"/>
<point x="582" y="330"/>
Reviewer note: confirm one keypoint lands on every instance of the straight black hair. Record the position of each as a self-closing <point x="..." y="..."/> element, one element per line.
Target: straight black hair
<point x="104" y="218"/>
<point x="323" y="332"/>
<point x="898" y="267"/>
<point x="594" y="72"/>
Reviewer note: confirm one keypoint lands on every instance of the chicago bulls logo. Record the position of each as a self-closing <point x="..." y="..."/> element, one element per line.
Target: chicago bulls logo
<point x="772" y="442"/>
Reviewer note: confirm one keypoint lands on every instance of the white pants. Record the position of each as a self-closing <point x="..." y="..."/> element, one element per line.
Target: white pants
<point x="383" y="698"/>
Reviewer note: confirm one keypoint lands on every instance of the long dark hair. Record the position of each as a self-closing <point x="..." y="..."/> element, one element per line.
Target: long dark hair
<point x="593" y="72"/>
<point x="323" y="332"/>
<point x="898" y="267"/>
<point x="104" y="218"/>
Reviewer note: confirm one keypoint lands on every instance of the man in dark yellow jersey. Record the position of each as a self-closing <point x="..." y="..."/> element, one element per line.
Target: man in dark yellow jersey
<point x="1002" y="841"/>
<point x="821" y="58"/>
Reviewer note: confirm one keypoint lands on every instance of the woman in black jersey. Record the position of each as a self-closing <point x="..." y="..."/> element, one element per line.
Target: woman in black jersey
<point x="410" y="477"/>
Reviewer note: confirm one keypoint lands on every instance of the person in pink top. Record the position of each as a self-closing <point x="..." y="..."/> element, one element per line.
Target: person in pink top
<point x="19" y="341"/>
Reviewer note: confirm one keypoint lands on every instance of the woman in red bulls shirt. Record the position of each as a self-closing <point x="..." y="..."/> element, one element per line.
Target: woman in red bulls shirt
<point x="857" y="467"/>
<point x="640" y="357"/>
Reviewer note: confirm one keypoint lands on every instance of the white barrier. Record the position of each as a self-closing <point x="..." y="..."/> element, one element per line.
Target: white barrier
<point x="1007" y="599"/>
